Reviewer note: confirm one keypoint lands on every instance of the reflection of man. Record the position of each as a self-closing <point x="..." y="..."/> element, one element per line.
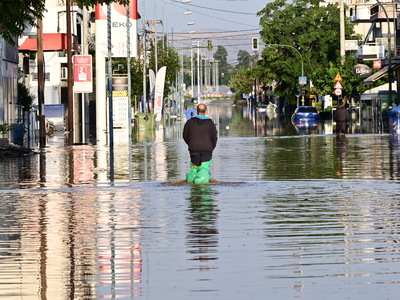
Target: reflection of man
<point x="200" y="135"/>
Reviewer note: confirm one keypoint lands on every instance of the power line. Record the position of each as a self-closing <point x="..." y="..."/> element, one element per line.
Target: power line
<point x="216" y="9"/>
<point x="214" y="17"/>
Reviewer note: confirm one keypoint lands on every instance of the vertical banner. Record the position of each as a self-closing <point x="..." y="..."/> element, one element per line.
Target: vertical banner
<point x="159" y="93"/>
<point x="152" y="82"/>
<point x="83" y="79"/>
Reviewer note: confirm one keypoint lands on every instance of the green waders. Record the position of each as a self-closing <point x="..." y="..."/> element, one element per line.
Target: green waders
<point x="200" y="174"/>
<point x="191" y="174"/>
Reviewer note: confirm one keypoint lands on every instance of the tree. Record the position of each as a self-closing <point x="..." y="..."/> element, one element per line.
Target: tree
<point x="16" y="15"/>
<point x="241" y="82"/>
<point x="222" y="56"/>
<point x="307" y="27"/>
<point x="166" y="57"/>
<point x="243" y="59"/>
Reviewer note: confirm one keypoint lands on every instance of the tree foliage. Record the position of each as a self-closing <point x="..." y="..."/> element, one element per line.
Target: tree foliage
<point x="243" y="58"/>
<point x="241" y="82"/>
<point x="313" y="30"/>
<point x="25" y="98"/>
<point x="16" y="15"/>
<point x="168" y="57"/>
<point x="222" y="56"/>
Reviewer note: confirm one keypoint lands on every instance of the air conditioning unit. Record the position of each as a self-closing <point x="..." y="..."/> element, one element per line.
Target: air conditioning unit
<point x="381" y="41"/>
<point x="64" y="73"/>
<point x="384" y="42"/>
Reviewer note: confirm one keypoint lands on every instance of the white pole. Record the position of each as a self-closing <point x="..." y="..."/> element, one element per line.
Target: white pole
<point x="191" y="71"/>
<point x="101" y="113"/>
<point x="198" y="68"/>
<point x="342" y="32"/>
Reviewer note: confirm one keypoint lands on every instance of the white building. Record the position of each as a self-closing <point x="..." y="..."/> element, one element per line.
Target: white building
<point x="55" y="58"/>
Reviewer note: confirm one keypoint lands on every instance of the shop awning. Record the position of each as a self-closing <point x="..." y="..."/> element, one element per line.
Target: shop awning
<point x="51" y="42"/>
<point x="382" y="72"/>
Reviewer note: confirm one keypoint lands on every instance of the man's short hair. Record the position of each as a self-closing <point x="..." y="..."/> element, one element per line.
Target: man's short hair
<point x="201" y="108"/>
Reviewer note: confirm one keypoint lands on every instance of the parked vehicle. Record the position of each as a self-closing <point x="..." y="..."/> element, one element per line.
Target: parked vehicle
<point x="50" y="128"/>
<point x="261" y="108"/>
<point x="305" y="113"/>
<point x="55" y="114"/>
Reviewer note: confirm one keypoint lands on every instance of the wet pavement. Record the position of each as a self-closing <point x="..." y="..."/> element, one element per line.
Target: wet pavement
<point x="288" y="215"/>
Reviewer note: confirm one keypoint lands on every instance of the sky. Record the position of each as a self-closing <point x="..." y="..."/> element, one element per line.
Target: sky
<point x="228" y="23"/>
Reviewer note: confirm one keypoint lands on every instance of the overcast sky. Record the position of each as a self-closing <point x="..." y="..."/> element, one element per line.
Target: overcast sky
<point x="230" y="23"/>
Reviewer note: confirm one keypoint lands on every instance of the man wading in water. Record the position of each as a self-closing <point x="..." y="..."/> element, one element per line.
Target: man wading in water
<point x="200" y="134"/>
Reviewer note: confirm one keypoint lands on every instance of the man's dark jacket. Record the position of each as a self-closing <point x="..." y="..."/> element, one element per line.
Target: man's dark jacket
<point x="340" y="115"/>
<point x="200" y="135"/>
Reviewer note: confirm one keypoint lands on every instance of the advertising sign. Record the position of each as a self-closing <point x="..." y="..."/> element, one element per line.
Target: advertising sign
<point x="119" y="26"/>
<point x="362" y="70"/>
<point x="83" y="79"/>
<point x="120" y="109"/>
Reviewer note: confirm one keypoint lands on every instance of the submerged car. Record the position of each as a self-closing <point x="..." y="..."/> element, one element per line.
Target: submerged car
<point x="261" y="108"/>
<point x="305" y="113"/>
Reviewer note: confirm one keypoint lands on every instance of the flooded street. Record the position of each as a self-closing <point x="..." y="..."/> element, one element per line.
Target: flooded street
<point x="289" y="215"/>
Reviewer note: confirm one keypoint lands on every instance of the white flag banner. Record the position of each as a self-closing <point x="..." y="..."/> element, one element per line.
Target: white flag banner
<point x="152" y="80"/>
<point x="159" y="93"/>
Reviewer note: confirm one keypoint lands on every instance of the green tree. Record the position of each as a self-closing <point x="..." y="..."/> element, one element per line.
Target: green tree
<point x="307" y="27"/>
<point x="16" y="15"/>
<point x="241" y="82"/>
<point x="243" y="59"/>
<point x="222" y="56"/>
<point x="25" y="98"/>
<point x="166" y="57"/>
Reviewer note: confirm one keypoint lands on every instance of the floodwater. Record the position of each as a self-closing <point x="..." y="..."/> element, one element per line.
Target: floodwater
<point x="289" y="215"/>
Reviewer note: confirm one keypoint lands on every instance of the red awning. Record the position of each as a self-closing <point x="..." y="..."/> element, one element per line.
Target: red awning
<point x="51" y="42"/>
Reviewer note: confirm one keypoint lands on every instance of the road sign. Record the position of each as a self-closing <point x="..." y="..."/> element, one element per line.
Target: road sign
<point x="302" y="80"/>
<point x="338" y="92"/>
<point x="83" y="79"/>
<point x="338" y="77"/>
<point x="338" y="85"/>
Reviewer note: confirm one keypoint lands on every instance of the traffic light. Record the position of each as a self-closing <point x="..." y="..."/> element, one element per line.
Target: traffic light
<point x="209" y="45"/>
<point x="255" y="43"/>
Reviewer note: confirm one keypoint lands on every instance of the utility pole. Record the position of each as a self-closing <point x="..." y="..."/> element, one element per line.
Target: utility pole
<point x="198" y="68"/>
<point x="70" y="76"/>
<point x="40" y="66"/>
<point x="191" y="71"/>
<point x="153" y="23"/>
<point x="342" y="32"/>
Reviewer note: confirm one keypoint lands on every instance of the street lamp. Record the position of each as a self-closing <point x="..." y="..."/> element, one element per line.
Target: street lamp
<point x="172" y="31"/>
<point x="186" y="13"/>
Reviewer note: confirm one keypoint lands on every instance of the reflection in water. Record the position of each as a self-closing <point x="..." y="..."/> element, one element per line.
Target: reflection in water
<point x="315" y="212"/>
<point x="341" y="149"/>
<point x="301" y="239"/>
<point x="202" y="239"/>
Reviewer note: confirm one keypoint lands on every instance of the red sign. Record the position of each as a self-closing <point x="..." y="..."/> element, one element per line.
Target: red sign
<point x="338" y="85"/>
<point x="338" y="92"/>
<point x="377" y="64"/>
<point x="338" y="77"/>
<point x="83" y="74"/>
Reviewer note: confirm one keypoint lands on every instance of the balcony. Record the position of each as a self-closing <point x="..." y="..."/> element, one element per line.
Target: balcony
<point x="378" y="14"/>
